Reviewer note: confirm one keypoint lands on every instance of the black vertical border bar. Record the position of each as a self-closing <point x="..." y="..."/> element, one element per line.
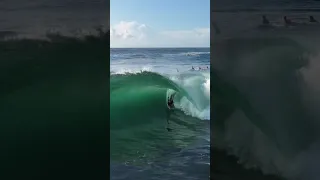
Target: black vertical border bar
<point x="50" y="148"/>
<point x="108" y="98"/>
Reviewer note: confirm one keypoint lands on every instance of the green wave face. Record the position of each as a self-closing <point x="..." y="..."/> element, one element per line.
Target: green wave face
<point x="139" y="114"/>
<point x="136" y="105"/>
<point x="135" y="99"/>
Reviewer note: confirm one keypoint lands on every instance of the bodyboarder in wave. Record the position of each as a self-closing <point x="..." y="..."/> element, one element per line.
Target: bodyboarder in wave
<point x="170" y="104"/>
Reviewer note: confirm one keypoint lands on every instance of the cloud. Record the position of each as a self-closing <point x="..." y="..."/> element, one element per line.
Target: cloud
<point x="127" y="30"/>
<point x="134" y="34"/>
<point x="196" y="33"/>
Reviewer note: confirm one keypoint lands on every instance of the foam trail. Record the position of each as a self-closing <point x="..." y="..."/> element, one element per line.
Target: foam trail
<point x="131" y="70"/>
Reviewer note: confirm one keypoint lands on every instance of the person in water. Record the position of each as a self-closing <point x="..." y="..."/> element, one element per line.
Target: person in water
<point x="216" y="28"/>
<point x="192" y="68"/>
<point x="170" y="104"/>
<point x="311" y="19"/>
<point x="287" y="21"/>
<point x="265" y="21"/>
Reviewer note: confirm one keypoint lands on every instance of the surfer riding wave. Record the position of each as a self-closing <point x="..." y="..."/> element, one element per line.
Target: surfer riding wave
<point x="170" y="104"/>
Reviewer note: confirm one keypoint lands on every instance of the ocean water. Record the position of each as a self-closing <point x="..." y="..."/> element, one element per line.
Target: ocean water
<point x="34" y="19"/>
<point x="141" y="80"/>
<point x="53" y="83"/>
<point x="265" y="89"/>
<point x="53" y="108"/>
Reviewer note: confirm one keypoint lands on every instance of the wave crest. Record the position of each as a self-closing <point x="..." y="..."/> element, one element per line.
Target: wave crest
<point x="146" y="91"/>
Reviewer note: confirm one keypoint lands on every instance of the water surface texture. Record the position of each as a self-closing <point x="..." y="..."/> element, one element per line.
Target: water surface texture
<point x="141" y="145"/>
<point x="53" y="96"/>
<point x="265" y="88"/>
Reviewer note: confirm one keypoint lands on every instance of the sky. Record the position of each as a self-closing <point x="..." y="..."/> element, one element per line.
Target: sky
<point x="159" y="23"/>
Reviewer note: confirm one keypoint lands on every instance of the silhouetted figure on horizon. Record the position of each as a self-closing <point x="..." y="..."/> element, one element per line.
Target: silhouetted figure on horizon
<point x="311" y="19"/>
<point x="265" y="21"/>
<point x="287" y="21"/>
<point x="216" y="28"/>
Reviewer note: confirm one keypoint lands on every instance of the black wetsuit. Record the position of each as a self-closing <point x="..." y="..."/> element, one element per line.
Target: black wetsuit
<point x="265" y="21"/>
<point x="287" y="21"/>
<point x="311" y="19"/>
<point x="170" y="105"/>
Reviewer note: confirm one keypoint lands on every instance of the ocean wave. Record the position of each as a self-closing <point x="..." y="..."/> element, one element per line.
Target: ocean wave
<point x="131" y="71"/>
<point x="265" y="97"/>
<point x="27" y="62"/>
<point x="195" y="53"/>
<point x="53" y="101"/>
<point x="58" y="34"/>
<point x="192" y="91"/>
<point x="139" y="111"/>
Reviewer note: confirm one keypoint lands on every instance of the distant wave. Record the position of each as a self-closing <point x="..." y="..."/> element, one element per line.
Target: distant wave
<point x="56" y="34"/>
<point x="27" y="61"/>
<point x="150" y="54"/>
<point x="195" y="53"/>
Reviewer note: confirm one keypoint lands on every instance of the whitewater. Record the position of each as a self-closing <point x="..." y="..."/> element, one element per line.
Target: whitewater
<point x="266" y="90"/>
